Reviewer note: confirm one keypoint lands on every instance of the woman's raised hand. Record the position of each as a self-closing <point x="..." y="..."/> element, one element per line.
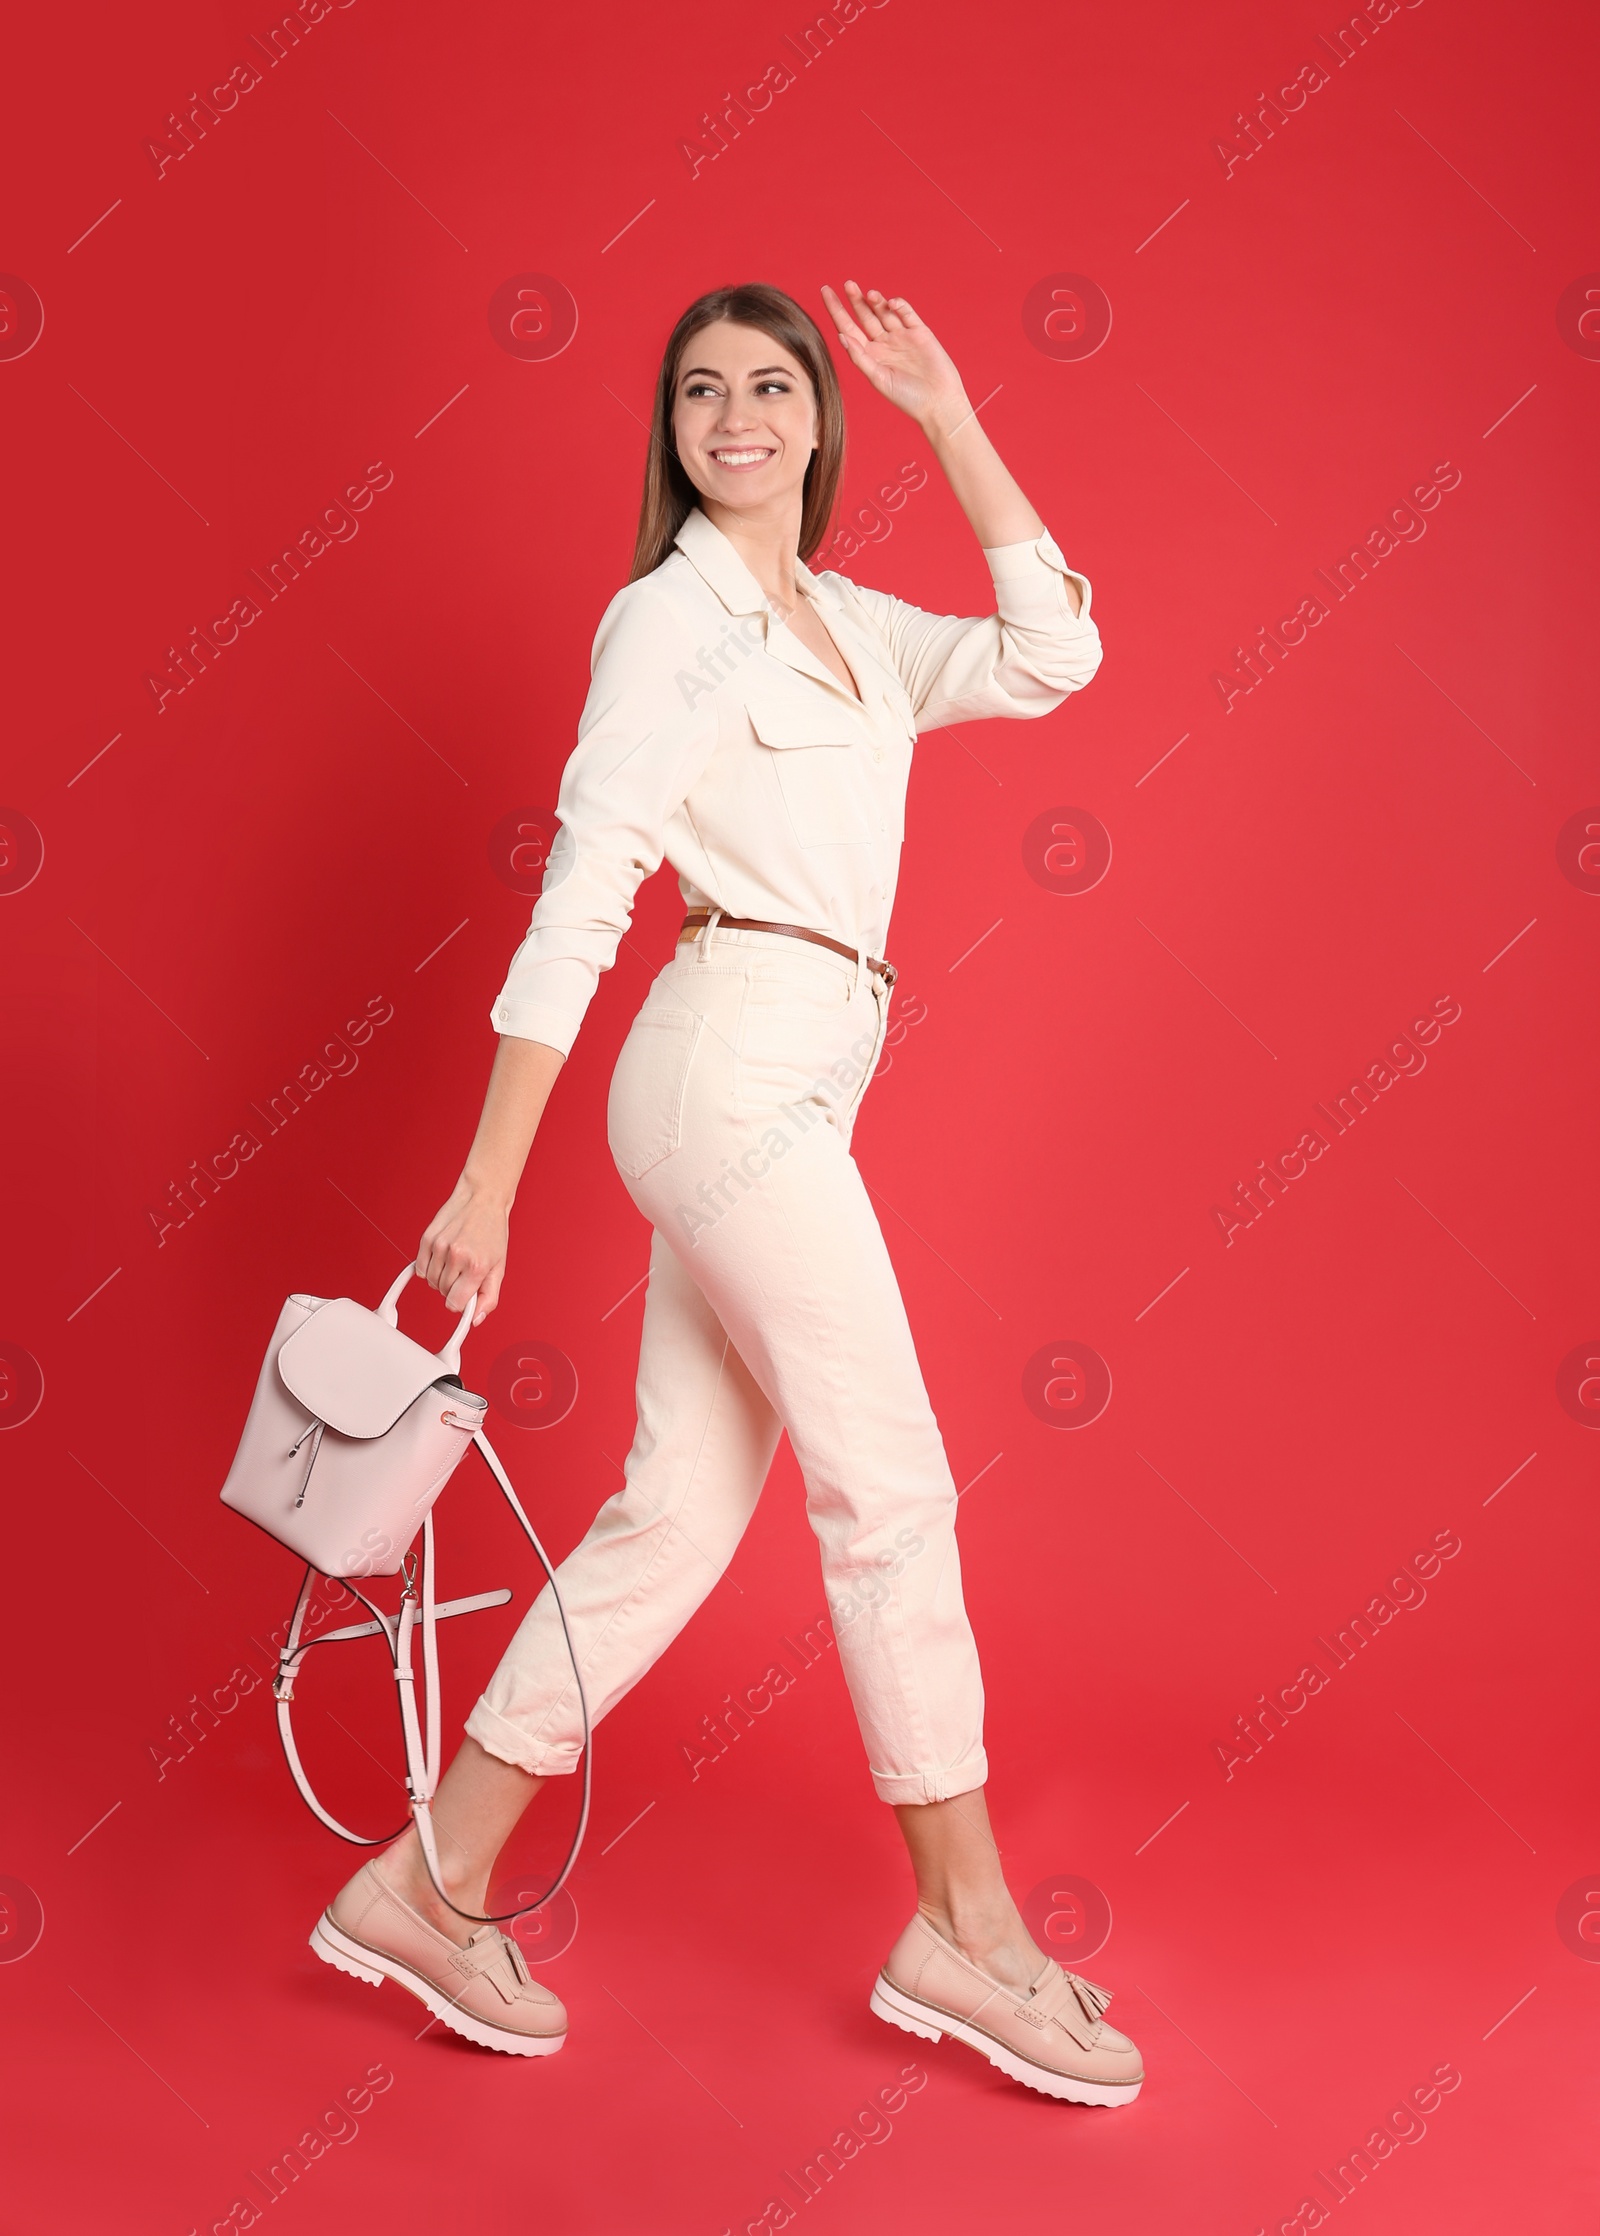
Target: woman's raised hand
<point x="899" y="355"/>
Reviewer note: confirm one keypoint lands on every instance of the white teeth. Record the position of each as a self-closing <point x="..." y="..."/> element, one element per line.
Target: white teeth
<point x="739" y="457"/>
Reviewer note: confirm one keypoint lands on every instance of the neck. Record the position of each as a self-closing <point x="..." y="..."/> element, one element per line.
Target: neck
<point x="767" y="542"/>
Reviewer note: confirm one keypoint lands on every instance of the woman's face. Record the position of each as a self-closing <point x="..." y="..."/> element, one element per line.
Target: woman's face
<point x="743" y="418"/>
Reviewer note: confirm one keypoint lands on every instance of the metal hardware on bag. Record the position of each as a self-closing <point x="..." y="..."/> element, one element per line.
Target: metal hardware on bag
<point x="305" y="1481"/>
<point x="410" y="1566"/>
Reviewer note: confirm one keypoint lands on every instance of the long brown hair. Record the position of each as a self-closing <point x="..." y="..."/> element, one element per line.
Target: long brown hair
<point x="669" y="495"/>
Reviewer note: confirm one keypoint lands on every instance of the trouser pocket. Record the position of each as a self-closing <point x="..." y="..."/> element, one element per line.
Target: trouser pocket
<point x="644" y="1111"/>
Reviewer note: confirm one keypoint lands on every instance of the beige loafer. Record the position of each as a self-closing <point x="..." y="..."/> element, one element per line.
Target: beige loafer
<point x="483" y="1991"/>
<point x="1052" y="2037"/>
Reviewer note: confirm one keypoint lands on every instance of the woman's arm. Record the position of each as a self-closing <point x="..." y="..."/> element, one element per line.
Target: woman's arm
<point x="638" y="753"/>
<point x="904" y="362"/>
<point x="465" y="1247"/>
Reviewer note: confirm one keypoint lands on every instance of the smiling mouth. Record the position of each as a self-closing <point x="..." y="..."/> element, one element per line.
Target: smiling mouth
<point x="741" y="460"/>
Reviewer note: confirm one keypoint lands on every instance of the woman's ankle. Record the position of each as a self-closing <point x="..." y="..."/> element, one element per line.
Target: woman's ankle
<point x="989" y="1932"/>
<point x="404" y="1868"/>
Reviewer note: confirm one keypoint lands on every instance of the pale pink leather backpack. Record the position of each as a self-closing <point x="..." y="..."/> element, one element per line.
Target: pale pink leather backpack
<point x="353" y="1432"/>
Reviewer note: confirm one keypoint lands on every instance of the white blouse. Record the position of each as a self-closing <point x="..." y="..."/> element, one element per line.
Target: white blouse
<point x="712" y="738"/>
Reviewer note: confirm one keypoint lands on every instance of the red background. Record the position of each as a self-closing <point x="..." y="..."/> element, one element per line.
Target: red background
<point x="226" y="346"/>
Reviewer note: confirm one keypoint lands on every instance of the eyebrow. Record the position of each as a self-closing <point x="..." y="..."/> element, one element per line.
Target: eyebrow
<point x="760" y="372"/>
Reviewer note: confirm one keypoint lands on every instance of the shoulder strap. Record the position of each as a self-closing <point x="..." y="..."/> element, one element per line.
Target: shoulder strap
<point x="418" y="1607"/>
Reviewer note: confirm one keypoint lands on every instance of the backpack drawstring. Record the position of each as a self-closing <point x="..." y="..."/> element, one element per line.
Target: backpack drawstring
<point x="314" y="1429"/>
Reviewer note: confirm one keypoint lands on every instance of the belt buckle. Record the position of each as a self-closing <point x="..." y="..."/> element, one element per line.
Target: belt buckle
<point x="888" y="973"/>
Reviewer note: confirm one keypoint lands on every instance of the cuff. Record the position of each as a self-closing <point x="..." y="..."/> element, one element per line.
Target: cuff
<point x="498" y="1737"/>
<point x="527" y="1020"/>
<point x="933" y="1785"/>
<point x="1038" y="561"/>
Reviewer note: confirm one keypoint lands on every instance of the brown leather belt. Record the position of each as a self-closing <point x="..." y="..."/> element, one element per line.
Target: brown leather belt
<point x="697" y="917"/>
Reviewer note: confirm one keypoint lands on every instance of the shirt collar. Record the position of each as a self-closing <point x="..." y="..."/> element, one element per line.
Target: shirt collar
<point x="714" y="558"/>
<point x="813" y="584"/>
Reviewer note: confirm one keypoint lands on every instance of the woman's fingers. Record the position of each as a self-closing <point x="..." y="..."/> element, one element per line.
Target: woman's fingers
<point x="880" y="315"/>
<point x="871" y="352"/>
<point x="863" y="335"/>
<point x="865" y="310"/>
<point x="469" y="1273"/>
<point x="445" y="1265"/>
<point x="463" y="1253"/>
<point x="892" y="312"/>
<point x="848" y="329"/>
<point x="891" y="309"/>
<point x="857" y="348"/>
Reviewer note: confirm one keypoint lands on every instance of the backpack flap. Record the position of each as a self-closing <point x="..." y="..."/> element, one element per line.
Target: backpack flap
<point x="351" y="1369"/>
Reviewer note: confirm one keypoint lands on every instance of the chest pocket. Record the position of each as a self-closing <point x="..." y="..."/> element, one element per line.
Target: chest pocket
<point x="815" y="754"/>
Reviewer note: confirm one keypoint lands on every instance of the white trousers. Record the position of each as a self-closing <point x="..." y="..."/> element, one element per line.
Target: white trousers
<point x="772" y="1304"/>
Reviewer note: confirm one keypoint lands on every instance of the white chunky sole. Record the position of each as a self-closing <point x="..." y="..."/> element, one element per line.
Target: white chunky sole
<point x="924" y="2019"/>
<point x="335" y="1947"/>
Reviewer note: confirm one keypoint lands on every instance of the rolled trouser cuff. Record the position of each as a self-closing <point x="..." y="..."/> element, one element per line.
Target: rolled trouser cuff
<point x="933" y="1785"/>
<point x="498" y="1737"/>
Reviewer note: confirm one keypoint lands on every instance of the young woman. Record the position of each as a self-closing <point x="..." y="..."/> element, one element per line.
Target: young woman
<point x="753" y="723"/>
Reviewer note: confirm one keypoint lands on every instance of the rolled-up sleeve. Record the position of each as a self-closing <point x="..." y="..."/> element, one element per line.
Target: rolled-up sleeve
<point x="1023" y="659"/>
<point x="640" y="747"/>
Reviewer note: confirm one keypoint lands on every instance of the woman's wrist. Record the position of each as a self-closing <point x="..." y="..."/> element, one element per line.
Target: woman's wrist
<point x="944" y="419"/>
<point x="491" y="1190"/>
